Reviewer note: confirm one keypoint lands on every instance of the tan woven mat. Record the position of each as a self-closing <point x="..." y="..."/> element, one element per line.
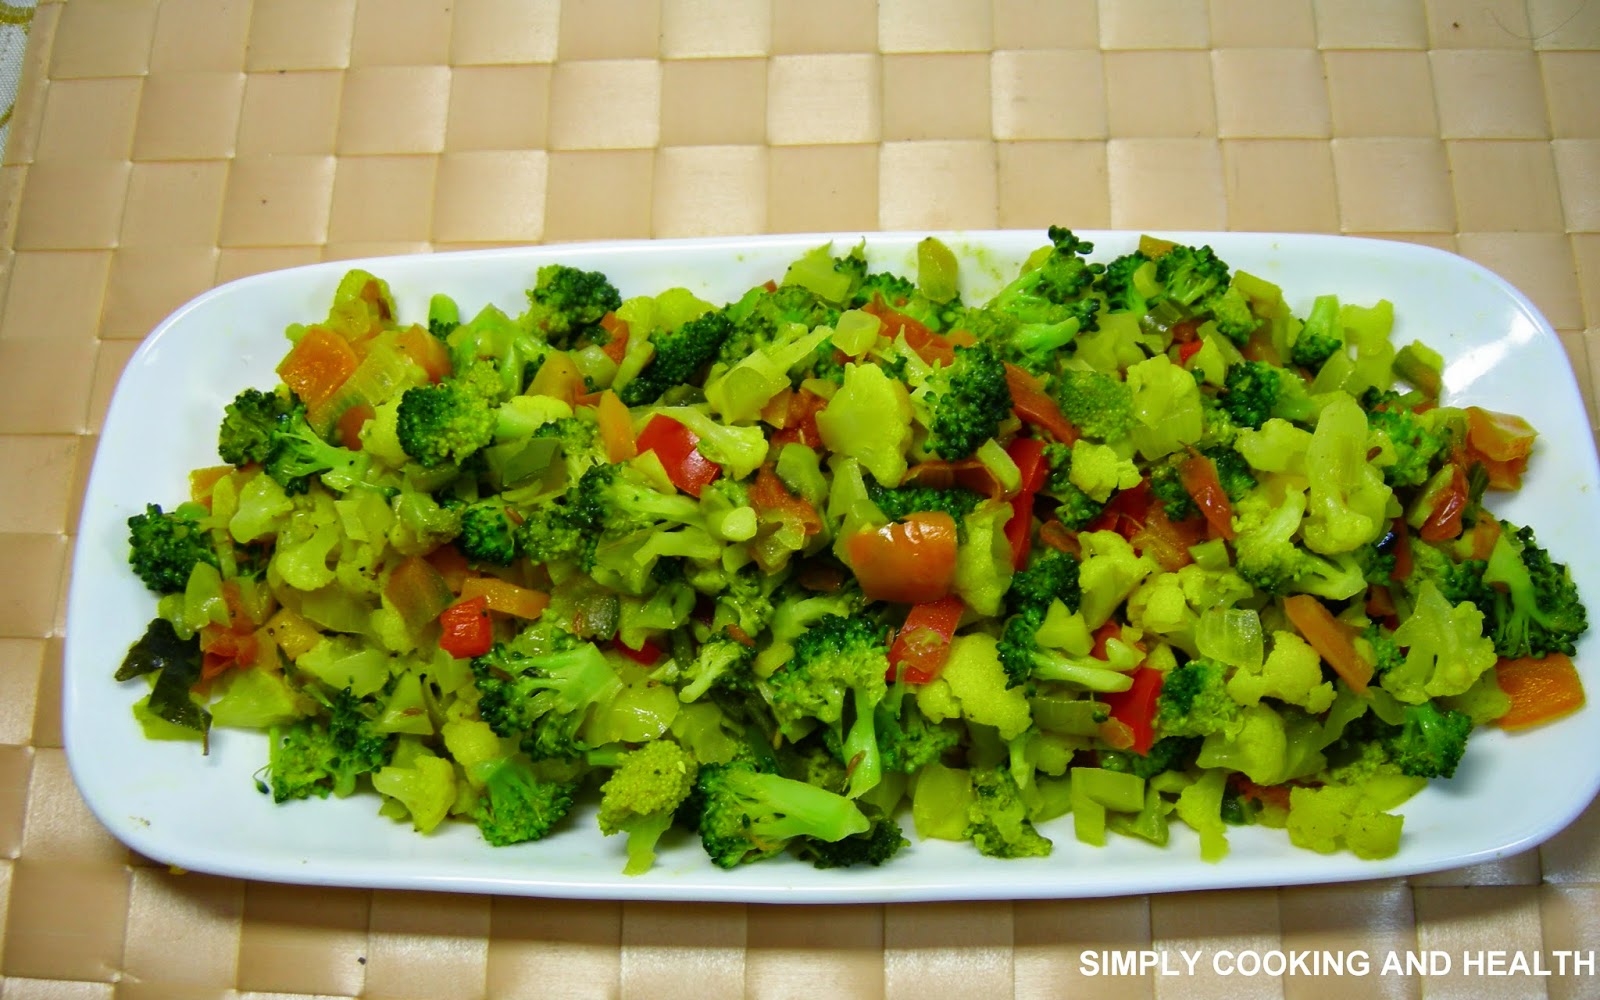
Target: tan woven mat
<point x="162" y="146"/>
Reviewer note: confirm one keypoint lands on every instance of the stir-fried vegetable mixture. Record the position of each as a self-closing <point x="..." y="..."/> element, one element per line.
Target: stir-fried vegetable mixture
<point x="850" y="559"/>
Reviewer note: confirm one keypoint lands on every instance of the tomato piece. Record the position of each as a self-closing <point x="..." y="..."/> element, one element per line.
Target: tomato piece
<point x="1198" y="473"/>
<point x="674" y="444"/>
<point x="1188" y="349"/>
<point x="1033" y="406"/>
<point x="1136" y="707"/>
<point x="466" y="630"/>
<point x="1332" y="639"/>
<point x="1540" y="689"/>
<point x="907" y="562"/>
<point x="923" y="643"/>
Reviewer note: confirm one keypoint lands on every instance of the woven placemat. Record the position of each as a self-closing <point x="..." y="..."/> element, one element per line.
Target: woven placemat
<point x="160" y="147"/>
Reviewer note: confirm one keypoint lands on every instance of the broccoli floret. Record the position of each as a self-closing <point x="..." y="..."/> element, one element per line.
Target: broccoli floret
<point x="1320" y="336"/>
<point x="1250" y="392"/>
<point x="907" y="739"/>
<point x="1218" y="428"/>
<point x="1430" y="741"/>
<point x="966" y="401"/>
<point x="882" y="841"/>
<point x="997" y="819"/>
<point x="1169" y="753"/>
<point x="1233" y="472"/>
<point x="1231" y="312"/>
<point x="551" y="534"/>
<point x="1074" y="508"/>
<point x="567" y="304"/>
<point x="516" y="805"/>
<point x="895" y="290"/>
<point x="1166" y="481"/>
<point x="1025" y="660"/>
<point x="1457" y="581"/>
<point x="747" y="815"/>
<point x="1041" y="310"/>
<point x="1195" y="284"/>
<point x="251" y="424"/>
<point x="1194" y="701"/>
<point x="1117" y="285"/>
<point x="164" y="546"/>
<point x="616" y="499"/>
<point x="543" y="698"/>
<point x="488" y="532"/>
<point x="1419" y="443"/>
<point x="1191" y="276"/>
<point x="745" y="600"/>
<point x="679" y="355"/>
<point x="1064" y="274"/>
<point x="1386" y="654"/>
<point x="1539" y="612"/>
<point x="445" y="423"/>
<point x="496" y="353"/>
<point x="837" y="661"/>
<point x="720" y="663"/>
<point x="1099" y="405"/>
<point x="762" y="314"/>
<point x="581" y="447"/>
<point x="1050" y="575"/>
<point x="298" y="453"/>
<point x="900" y="502"/>
<point x="1166" y="486"/>
<point x="443" y="316"/>
<point x="321" y="756"/>
<point x="643" y="794"/>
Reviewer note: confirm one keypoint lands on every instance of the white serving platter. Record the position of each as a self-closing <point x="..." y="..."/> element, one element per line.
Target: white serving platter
<point x="203" y="813"/>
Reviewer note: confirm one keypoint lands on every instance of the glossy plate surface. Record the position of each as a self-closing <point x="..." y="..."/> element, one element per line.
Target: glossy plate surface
<point x="203" y="813"/>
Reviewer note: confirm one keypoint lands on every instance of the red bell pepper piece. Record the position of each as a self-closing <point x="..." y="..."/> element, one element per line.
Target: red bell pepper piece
<point x="1199" y="477"/>
<point x="923" y="643"/>
<point x="647" y="654"/>
<point x="907" y="562"/>
<point x="1136" y="707"/>
<point x="1033" y="406"/>
<point x="674" y="444"/>
<point x="466" y="628"/>
<point x="1127" y="511"/>
<point x="1028" y="454"/>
